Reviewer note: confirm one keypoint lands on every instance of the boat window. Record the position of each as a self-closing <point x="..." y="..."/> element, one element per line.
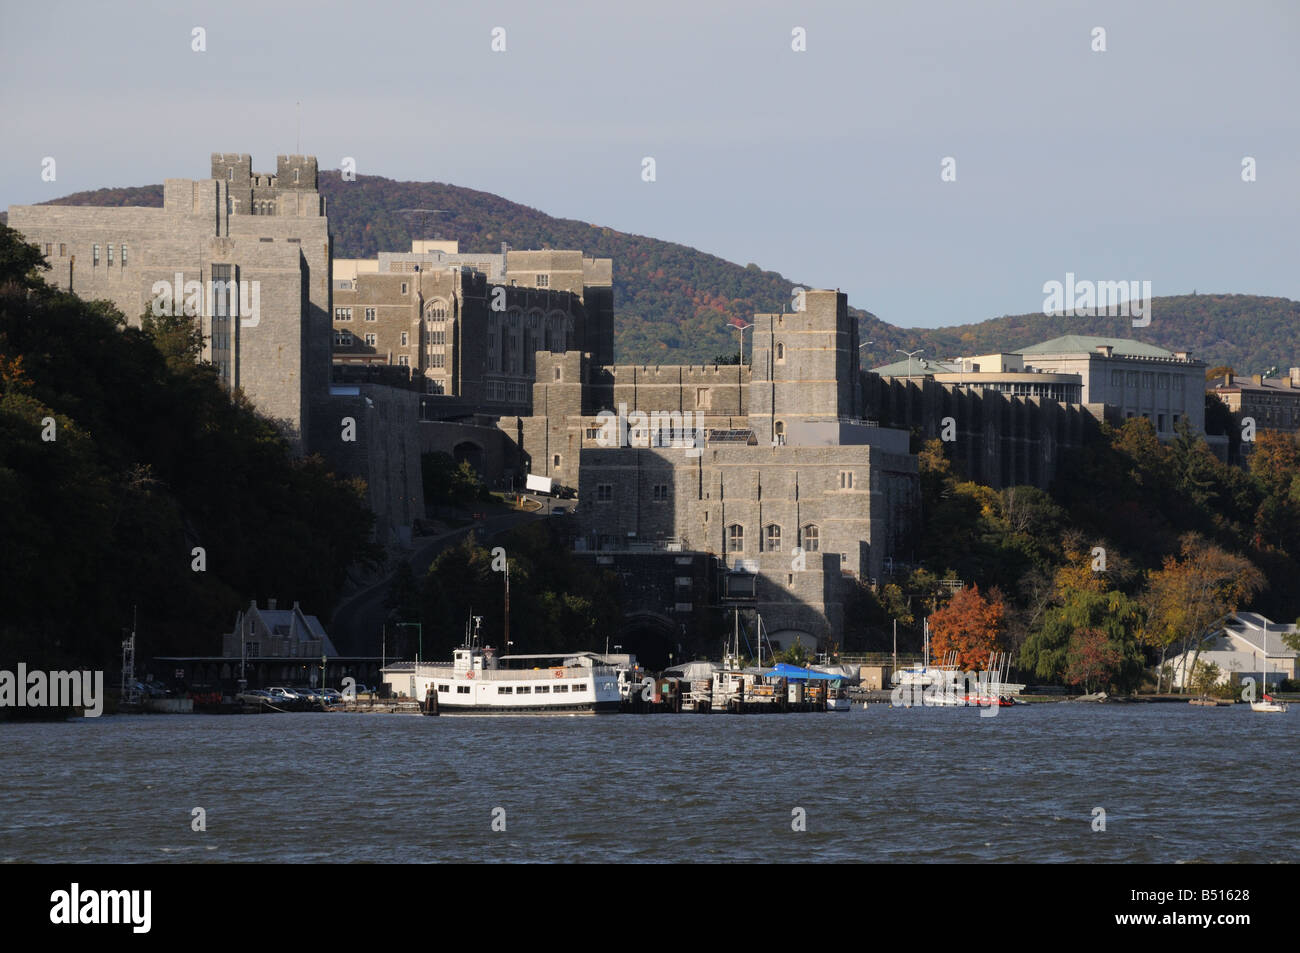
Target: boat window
<point x="580" y="687"/>
<point x="462" y="689"/>
<point x="524" y="690"/>
<point x="505" y="690"/>
<point x="444" y="688"/>
<point x="543" y="689"/>
<point x="561" y="688"/>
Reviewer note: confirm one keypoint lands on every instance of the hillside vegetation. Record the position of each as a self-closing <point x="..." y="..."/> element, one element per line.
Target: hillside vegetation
<point x="672" y="301"/>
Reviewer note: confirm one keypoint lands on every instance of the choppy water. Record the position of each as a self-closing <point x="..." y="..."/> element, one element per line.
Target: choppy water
<point x="1177" y="783"/>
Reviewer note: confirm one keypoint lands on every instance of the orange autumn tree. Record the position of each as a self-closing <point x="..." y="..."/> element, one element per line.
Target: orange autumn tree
<point x="970" y="625"/>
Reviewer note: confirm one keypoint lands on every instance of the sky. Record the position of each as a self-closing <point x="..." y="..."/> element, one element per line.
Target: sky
<point x="825" y="163"/>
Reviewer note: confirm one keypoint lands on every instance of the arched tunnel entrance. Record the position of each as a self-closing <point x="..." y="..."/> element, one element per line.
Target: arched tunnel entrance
<point x="653" y="639"/>
<point x="469" y="451"/>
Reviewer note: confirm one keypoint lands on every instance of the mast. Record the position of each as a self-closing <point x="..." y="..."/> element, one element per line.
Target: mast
<point x="507" y="626"/>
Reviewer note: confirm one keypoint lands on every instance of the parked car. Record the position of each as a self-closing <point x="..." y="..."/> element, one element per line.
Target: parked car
<point x="255" y="696"/>
<point x="330" y="696"/>
<point x="284" y="694"/>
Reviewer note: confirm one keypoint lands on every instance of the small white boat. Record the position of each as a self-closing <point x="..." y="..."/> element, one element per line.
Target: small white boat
<point x="1269" y="703"/>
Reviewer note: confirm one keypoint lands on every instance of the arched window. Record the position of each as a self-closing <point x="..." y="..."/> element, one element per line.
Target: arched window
<point x="811" y="538"/>
<point x="780" y="351"/>
<point x="779" y="431"/>
<point x="735" y="538"/>
<point x="772" y="538"/>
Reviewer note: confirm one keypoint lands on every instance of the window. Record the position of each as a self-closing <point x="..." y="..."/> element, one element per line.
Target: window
<point x="604" y="493"/>
<point x="557" y="373"/>
<point x="779" y="432"/>
<point x="1116" y="378"/>
<point x="846" y="479"/>
<point x="660" y="493"/>
<point x="579" y="686"/>
<point x="772" y="538"/>
<point x="811" y="538"/>
<point x="437" y="386"/>
<point x="462" y="689"/>
<point x="403" y="287"/>
<point x="370" y="314"/>
<point x="437" y="360"/>
<point x="437" y="338"/>
<point x="560" y="689"/>
<point x="1148" y="380"/>
<point x="555" y="461"/>
<point x="110" y="254"/>
<point x="403" y="360"/>
<point x="505" y="690"/>
<point x="342" y="314"/>
<point x="703" y="400"/>
<point x="444" y="688"/>
<point x="123" y="256"/>
<point x="542" y="690"/>
<point x="63" y="250"/>
<point x="735" y="538"/>
<point x="405" y="339"/>
<point x="780" y="353"/>
<point x="47" y="249"/>
<point x="370" y="340"/>
<point x="95" y="255"/>
<point x="1160" y="422"/>
<point x="543" y="281"/>
<point x="524" y="690"/>
<point x="342" y="338"/>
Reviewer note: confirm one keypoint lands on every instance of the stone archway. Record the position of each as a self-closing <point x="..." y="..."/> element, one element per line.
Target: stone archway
<point x="468" y="450"/>
<point x="652" y="638"/>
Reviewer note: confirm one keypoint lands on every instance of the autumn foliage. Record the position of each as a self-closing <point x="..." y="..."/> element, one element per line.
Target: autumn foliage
<point x="970" y="625"/>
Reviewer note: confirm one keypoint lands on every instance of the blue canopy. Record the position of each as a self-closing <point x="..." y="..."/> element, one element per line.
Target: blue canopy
<point x="795" y="673"/>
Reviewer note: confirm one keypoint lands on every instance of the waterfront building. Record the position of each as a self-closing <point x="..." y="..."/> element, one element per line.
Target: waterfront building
<point x="1246" y="645"/>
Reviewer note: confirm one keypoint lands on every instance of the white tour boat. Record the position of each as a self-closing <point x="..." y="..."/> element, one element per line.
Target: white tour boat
<point x="477" y="681"/>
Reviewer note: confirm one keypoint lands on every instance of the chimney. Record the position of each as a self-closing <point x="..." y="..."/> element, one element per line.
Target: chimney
<point x="1295" y="377"/>
<point x="1257" y="380"/>
<point x="1106" y="349"/>
<point x="270" y="604"/>
<point x="1183" y="355"/>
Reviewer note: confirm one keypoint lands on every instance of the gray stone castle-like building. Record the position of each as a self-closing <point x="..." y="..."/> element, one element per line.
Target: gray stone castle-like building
<point x="247" y="254"/>
<point x="765" y="469"/>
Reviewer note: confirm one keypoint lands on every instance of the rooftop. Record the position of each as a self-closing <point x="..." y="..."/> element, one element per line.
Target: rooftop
<point x="1083" y="343"/>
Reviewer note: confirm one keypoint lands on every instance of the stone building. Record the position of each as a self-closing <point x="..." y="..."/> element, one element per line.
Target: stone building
<point x="1273" y="403"/>
<point x="469" y="326"/>
<point x="767" y="469"/>
<point x="247" y="253"/>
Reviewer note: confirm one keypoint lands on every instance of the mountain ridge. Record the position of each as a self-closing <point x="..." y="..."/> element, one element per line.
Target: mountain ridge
<point x="673" y="302"/>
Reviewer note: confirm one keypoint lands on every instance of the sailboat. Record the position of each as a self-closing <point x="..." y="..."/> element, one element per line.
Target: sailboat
<point x="1268" y="703"/>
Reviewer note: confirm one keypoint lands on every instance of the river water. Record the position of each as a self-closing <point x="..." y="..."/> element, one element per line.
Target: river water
<point x="1177" y="784"/>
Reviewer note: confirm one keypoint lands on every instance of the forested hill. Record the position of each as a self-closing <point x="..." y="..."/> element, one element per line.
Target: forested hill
<point x="672" y="301"/>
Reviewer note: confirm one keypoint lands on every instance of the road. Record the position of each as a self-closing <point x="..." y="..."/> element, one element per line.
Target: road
<point x="358" y="621"/>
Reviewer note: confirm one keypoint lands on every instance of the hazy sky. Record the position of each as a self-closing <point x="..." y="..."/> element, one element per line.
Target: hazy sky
<point x="823" y="164"/>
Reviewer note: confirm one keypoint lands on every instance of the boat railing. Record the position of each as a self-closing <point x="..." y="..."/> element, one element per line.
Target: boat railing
<point x="551" y="672"/>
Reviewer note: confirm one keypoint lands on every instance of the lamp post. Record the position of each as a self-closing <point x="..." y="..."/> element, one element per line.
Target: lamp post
<point x="740" y="365"/>
<point x="910" y="355"/>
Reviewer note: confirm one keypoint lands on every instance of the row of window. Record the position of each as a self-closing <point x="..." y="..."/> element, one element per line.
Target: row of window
<point x="659" y="491"/>
<point x="770" y="541"/>
<point x="521" y="689"/>
<point x="345" y="314"/>
<point x="1149" y="380"/>
<point x="94" y="252"/>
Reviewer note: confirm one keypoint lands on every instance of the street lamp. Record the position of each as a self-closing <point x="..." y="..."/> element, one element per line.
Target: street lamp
<point x="740" y="366"/>
<point x="910" y="355"/>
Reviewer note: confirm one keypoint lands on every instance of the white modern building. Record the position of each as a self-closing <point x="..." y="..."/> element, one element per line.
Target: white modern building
<point x="1247" y="646"/>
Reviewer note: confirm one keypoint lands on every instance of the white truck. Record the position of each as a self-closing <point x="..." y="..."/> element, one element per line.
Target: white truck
<point x="539" y="484"/>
